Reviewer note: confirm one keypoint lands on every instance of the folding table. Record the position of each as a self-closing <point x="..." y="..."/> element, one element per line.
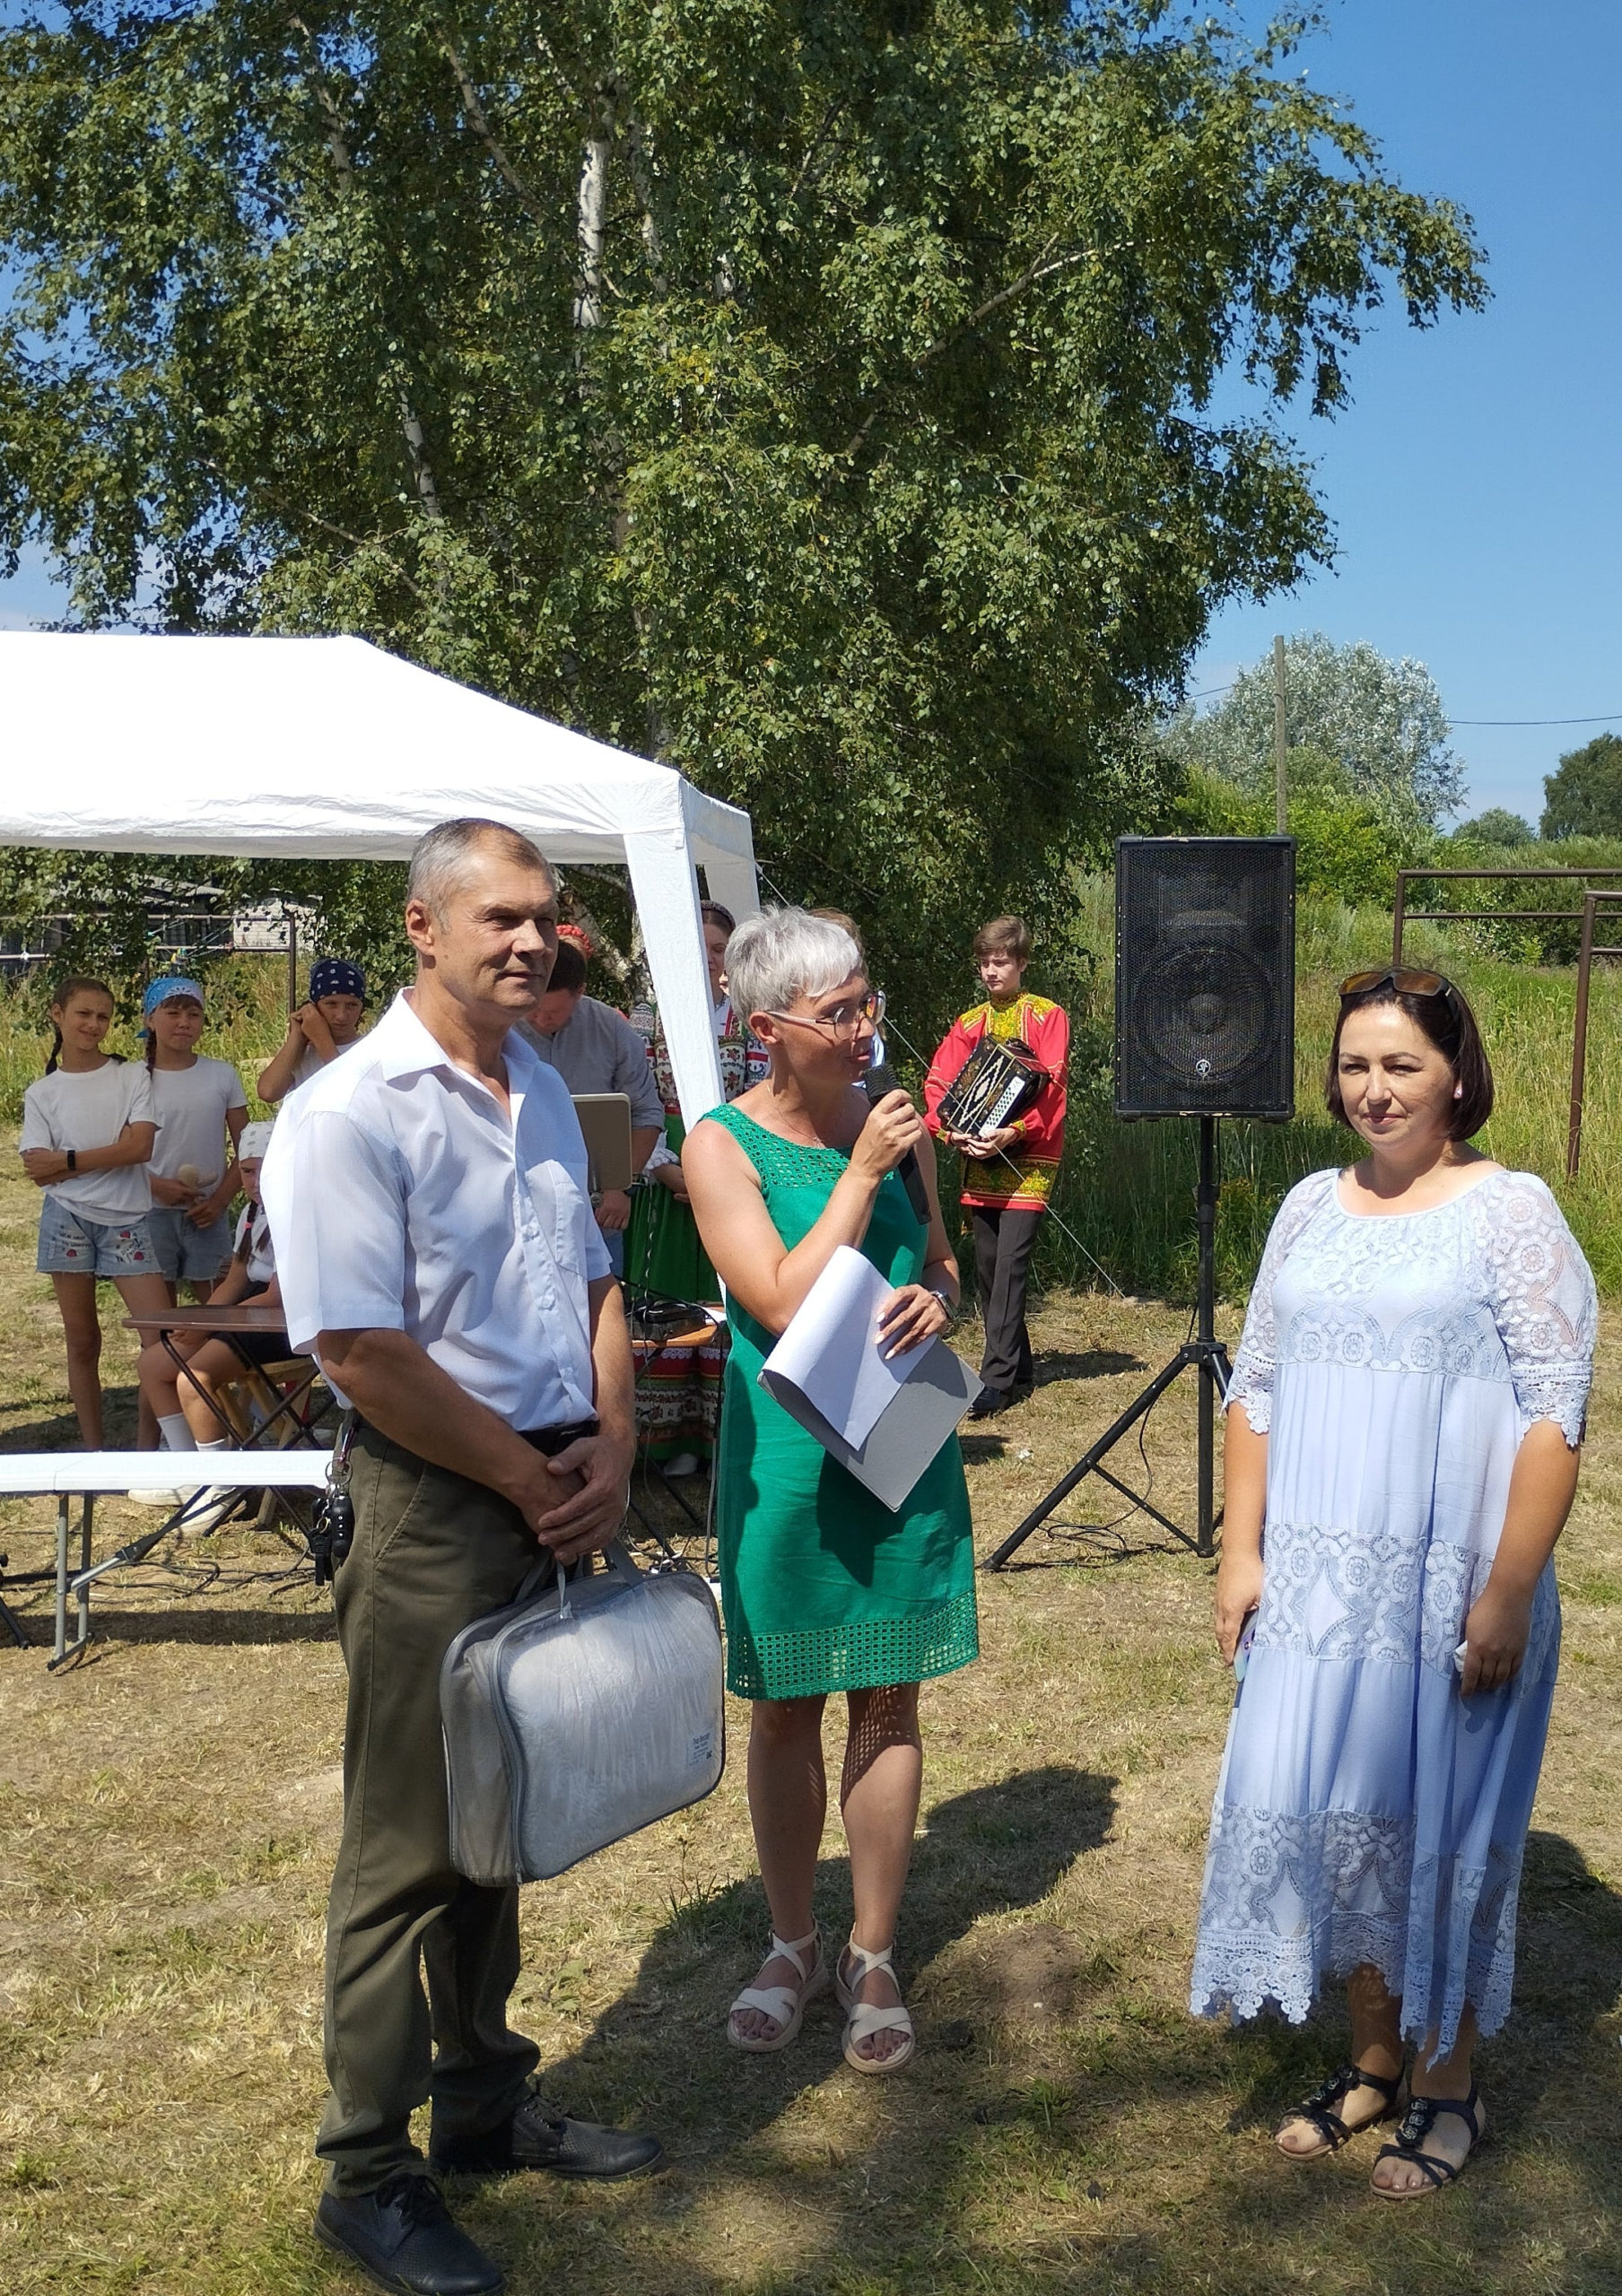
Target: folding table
<point x="85" y="1474"/>
<point x="234" y="1324"/>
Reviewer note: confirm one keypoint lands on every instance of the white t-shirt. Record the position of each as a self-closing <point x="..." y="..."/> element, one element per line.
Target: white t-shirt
<point x="191" y="1105"/>
<point x="253" y="1225"/>
<point x="90" y="1110"/>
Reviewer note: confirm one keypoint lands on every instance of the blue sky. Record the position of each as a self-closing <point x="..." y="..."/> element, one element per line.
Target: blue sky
<point x="1475" y="484"/>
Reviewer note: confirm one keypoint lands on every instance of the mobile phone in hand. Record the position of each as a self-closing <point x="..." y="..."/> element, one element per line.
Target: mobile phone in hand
<point x="1241" y="1650"/>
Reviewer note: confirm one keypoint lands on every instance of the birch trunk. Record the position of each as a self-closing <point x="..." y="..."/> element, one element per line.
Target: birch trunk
<point x="592" y="224"/>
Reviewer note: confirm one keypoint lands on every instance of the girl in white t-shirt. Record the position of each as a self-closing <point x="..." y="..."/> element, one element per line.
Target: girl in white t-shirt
<point x="201" y="1110"/>
<point x="88" y="1129"/>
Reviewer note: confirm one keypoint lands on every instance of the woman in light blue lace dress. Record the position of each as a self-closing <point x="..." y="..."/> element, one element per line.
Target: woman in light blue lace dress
<point x="1403" y="1421"/>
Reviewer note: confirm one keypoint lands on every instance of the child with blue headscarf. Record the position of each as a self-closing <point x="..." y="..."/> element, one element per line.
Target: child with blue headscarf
<point x="319" y="1029"/>
<point x="201" y="1110"/>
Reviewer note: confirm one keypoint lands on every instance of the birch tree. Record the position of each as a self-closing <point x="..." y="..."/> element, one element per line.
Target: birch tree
<point x="823" y="397"/>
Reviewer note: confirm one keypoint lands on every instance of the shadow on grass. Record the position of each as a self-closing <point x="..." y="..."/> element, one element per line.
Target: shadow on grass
<point x="988" y="1851"/>
<point x="58" y="1433"/>
<point x="1054" y="1364"/>
<point x="1129" y="2149"/>
<point x="176" y="1622"/>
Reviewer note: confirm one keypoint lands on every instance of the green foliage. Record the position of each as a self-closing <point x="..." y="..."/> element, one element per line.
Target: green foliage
<point x="856" y="450"/>
<point x="1497" y="826"/>
<point x="1346" y="848"/>
<point x="109" y="908"/>
<point x="1382" y="722"/>
<point x="1583" y="798"/>
<point x="1521" y="939"/>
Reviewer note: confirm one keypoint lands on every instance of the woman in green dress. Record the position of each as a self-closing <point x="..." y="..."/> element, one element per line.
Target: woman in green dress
<point x="824" y="1588"/>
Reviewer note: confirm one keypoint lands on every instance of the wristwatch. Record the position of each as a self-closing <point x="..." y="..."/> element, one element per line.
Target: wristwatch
<point x="73" y="1160"/>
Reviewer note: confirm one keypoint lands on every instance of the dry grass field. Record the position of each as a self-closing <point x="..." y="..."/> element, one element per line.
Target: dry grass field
<point x="168" y="1806"/>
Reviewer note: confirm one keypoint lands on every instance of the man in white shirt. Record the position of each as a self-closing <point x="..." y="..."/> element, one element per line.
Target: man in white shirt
<point x="427" y="1198"/>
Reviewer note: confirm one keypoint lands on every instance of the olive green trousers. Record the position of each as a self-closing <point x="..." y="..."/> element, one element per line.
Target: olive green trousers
<point x="431" y="1553"/>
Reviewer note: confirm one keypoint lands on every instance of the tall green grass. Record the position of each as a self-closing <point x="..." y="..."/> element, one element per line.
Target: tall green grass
<point x="1126" y="1190"/>
<point x="1126" y="1195"/>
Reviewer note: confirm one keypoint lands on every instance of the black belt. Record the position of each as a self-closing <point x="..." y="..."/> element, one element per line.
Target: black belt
<point x="551" y="1441"/>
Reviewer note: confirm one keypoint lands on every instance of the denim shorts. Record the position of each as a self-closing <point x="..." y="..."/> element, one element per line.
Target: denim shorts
<point x="188" y="1254"/>
<point x="71" y="1245"/>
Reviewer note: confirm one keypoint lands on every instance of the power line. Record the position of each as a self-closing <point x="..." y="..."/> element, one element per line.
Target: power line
<point x="1606" y="717"/>
<point x="1612" y="717"/>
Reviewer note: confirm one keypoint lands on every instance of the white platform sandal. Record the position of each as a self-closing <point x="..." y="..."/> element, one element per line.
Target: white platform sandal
<point x="785" y="2005"/>
<point x="863" y="2022"/>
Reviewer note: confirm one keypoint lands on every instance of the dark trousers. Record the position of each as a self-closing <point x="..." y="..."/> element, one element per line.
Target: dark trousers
<point x="1002" y="1255"/>
<point x="431" y="1553"/>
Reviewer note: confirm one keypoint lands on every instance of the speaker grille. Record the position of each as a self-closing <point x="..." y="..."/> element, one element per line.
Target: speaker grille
<point x="1204" y="976"/>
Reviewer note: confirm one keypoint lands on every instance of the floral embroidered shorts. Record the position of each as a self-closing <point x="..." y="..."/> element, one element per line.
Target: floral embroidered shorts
<point x="71" y="1245"/>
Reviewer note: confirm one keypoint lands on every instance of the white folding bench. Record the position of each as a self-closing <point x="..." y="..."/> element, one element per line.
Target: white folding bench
<point x="66" y="1476"/>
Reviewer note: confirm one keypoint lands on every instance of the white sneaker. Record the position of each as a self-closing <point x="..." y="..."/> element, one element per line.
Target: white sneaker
<point x="169" y="1499"/>
<point x="685" y="1463"/>
<point x="210" y="1507"/>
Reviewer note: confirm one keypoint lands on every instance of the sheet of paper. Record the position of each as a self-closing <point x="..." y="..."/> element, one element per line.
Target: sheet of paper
<point x="831" y="1350"/>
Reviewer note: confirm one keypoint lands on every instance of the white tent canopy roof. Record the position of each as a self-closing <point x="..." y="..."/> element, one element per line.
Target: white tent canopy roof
<point x="328" y="748"/>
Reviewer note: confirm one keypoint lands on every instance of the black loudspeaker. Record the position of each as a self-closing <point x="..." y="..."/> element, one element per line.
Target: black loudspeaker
<point x="1205" y="977"/>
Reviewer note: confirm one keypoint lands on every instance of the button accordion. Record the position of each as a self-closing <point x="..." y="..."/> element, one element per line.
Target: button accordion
<point x="997" y="1083"/>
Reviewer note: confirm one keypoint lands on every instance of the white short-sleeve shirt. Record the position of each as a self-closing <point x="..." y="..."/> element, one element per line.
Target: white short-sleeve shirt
<point x="191" y="1105"/>
<point x="89" y="1108"/>
<point x="402" y="1197"/>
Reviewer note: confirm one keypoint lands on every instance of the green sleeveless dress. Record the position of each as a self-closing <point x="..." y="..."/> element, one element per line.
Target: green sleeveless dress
<point x="822" y="1587"/>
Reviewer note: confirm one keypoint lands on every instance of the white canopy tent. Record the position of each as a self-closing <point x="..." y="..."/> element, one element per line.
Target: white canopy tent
<point x="328" y="748"/>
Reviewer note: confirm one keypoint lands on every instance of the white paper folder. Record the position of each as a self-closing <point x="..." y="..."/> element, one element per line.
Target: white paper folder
<point x="883" y="1419"/>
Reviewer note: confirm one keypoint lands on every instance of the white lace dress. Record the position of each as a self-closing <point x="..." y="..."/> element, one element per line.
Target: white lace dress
<point x="1365" y="1811"/>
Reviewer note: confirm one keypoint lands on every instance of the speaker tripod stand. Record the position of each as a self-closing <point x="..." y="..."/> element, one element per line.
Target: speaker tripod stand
<point x="1204" y="1355"/>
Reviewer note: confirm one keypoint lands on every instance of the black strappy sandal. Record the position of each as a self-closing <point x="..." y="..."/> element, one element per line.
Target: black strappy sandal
<point x="1418" y="2123"/>
<point x="1319" y="2110"/>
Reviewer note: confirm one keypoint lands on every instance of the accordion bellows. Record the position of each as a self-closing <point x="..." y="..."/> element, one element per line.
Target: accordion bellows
<point x="997" y="1082"/>
<point x="578" y="1714"/>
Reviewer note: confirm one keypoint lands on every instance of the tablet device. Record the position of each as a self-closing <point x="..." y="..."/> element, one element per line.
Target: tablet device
<point x="605" y="1122"/>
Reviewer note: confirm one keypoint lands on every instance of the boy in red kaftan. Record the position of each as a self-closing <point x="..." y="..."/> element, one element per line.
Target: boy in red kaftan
<point x="1007" y="1176"/>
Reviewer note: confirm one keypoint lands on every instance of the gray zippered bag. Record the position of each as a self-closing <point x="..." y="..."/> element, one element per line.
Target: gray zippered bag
<point x="585" y="1709"/>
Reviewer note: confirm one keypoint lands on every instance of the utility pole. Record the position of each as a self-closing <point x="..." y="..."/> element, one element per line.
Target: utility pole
<point x="1281" y="747"/>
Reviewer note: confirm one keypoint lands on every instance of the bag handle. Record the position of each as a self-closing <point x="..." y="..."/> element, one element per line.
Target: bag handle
<point x="620" y="1563"/>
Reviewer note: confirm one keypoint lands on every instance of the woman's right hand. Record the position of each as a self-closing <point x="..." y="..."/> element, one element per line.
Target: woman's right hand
<point x="671" y="1176"/>
<point x="1238" y="1592"/>
<point x="894" y="1126"/>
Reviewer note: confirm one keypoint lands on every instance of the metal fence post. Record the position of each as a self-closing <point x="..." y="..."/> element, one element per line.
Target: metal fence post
<point x="1586" y="960"/>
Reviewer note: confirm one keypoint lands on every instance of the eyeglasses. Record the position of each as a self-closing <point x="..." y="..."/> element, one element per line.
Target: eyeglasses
<point x="1406" y="984"/>
<point x="845" y="1019"/>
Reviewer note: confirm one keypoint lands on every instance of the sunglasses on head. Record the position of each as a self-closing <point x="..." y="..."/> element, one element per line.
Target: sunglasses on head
<point x="1406" y="983"/>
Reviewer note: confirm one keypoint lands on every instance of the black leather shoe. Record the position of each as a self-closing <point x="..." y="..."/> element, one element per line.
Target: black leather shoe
<point x="993" y="1402"/>
<point x="403" y="2236"/>
<point x="539" y="2136"/>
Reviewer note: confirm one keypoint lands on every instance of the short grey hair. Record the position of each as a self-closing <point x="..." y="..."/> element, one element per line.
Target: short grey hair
<point x="441" y="857"/>
<point x="785" y="953"/>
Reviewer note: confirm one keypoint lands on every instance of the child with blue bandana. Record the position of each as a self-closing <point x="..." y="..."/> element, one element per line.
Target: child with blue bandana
<point x="319" y="1029"/>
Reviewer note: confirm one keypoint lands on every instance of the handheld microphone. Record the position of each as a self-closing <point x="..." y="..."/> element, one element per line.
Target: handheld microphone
<point x="875" y="1083"/>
